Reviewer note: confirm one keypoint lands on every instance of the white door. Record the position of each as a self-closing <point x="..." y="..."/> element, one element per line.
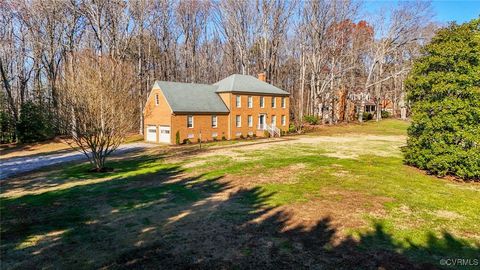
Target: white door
<point x="261" y="121"/>
<point x="164" y="134"/>
<point x="151" y="134"/>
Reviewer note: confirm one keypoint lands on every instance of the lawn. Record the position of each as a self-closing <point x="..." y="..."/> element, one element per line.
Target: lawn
<point x="336" y="198"/>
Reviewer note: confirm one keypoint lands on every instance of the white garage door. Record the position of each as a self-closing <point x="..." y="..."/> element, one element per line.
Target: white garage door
<point x="164" y="134"/>
<point x="151" y="134"/>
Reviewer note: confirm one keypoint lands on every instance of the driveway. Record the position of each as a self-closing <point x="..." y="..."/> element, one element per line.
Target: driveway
<point x="16" y="165"/>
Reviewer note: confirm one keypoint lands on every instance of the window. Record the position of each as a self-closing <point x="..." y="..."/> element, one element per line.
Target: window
<point x="238" y="120"/>
<point x="157" y="100"/>
<point x="284" y="120"/>
<point x="250" y="133"/>
<point x="274" y="120"/>
<point x="284" y="102"/>
<point x="250" y="102"/>
<point x="190" y="121"/>
<point x="238" y="100"/>
<point x="238" y="134"/>
<point x="274" y="103"/>
<point x="214" y="134"/>
<point x="190" y="136"/>
<point x="262" y="102"/>
<point x="250" y="121"/>
<point x="214" y="121"/>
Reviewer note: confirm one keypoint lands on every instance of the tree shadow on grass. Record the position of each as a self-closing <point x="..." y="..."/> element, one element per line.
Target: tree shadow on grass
<point x="135" y="164"/>
<point x="165" y="218"/>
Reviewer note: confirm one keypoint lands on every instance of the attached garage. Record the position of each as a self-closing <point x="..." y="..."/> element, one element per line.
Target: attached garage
<point x="164" y="134"/>
<point x="151" y="134"/>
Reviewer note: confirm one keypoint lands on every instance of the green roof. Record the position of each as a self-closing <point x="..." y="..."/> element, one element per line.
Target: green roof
<point x="248" y="84"/>
<point x="192" y="97"/>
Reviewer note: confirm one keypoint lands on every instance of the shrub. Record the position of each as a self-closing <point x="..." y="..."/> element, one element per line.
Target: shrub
<point x="254" y="135"/>
<point x="223" y="138"/>
<point x="266" y="134"/>
<point x="292" y="128"/>
<point x="7" y="128"/>
<point x="177" y="137"/>
<point x="186" y="141"/>
<point x="367" y="116"/>
<point x="241" y="137"/>
<point x="385" y="114"/>
<point x="311" y="119"/>
<point x="444" y="91"/>
<point x="34" y="124"/>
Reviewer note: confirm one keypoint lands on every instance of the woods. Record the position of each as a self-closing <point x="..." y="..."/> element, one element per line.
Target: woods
<point x="333" y="57"/>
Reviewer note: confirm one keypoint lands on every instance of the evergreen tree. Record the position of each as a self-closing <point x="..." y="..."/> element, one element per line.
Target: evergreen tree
<point x="444" y="90"/>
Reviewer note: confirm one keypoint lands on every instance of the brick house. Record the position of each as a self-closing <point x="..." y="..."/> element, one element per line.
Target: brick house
<point x="237" y="106"/>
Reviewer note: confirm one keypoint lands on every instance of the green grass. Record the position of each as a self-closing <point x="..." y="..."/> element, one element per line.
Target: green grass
<point x="147" y="200"/>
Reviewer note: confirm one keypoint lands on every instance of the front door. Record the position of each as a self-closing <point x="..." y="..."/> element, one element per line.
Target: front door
<point x="261" y="121"/>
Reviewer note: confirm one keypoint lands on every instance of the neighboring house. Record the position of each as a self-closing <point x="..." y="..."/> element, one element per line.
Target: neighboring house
<point x="237" y="106"/>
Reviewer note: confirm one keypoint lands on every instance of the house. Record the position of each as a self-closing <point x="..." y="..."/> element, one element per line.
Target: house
<point x="235" y="107"/>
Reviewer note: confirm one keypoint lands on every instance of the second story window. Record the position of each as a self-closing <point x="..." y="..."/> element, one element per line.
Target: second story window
<point x="214" y="121"/>
<point x="157" y="100"/>
<point x="238" y="120"/>
<point x="284" y="102"/>
<point x="238" y="101"/>
<point x="250" y="102"/>
<point x="190" y="121"/>
<point x="274" y="102"/>
<point x="262" y="102"/>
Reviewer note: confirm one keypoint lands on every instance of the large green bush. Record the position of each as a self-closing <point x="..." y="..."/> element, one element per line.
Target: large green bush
<point x="34" y="124"/>
<point x="444" y="89"/>
<point x="7" y="127"/>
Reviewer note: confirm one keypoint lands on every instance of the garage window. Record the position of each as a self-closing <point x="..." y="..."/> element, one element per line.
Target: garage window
<point x="190" y="121"/>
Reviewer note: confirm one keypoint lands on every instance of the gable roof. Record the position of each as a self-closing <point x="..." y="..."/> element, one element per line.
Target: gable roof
<point x="248" y="84"/>
<point x="192" y="97"/>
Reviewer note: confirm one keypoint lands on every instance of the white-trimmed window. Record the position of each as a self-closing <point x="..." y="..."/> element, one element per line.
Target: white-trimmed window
<point x="238" y="120"/>
<point x="274" y="120"/>
<point x="190" y="121"/>
<point x="284" y="102"/>
<point x="214" y="134"/>
<point x="262" y="102"/>
<point x="238" y="134"/>
<point x="157" y="100"/>
<point x="190" y="136"/>
<point x="274" y="102"/>
<point x="250" y="133"/>
<point x="250" y="102"/>
<point x="214" y="121"/>
<point x="284" y="120"/>
<point x="250" y="121"/>
<point x="238" y="101"/>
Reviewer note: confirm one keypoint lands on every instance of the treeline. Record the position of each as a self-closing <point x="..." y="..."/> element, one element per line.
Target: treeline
<point x="328" y="54"/>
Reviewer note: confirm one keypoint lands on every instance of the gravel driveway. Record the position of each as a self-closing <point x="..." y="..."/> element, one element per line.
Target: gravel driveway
<point x="16" y="165"/>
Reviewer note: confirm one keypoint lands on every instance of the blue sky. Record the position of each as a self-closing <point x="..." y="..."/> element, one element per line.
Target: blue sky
<point x="446" y="10"/>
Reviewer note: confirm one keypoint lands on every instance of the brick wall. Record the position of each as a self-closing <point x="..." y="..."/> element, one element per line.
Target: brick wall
<point x="201" y="123"/>
<point x="156" y="115"/>
<point x="255" y="111"/>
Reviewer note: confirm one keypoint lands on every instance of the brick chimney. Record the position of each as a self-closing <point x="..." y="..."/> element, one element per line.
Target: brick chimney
<point x="262" y="77"/>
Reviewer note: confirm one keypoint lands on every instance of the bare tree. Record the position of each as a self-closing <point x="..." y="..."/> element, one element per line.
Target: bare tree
<point x="99" y="106"/>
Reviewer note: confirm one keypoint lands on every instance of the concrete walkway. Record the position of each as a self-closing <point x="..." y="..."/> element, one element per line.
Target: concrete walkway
<point x="12" y="166"/>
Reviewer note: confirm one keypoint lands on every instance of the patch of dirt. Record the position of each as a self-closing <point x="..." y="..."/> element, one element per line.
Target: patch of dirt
<point x="448" y="214"/>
